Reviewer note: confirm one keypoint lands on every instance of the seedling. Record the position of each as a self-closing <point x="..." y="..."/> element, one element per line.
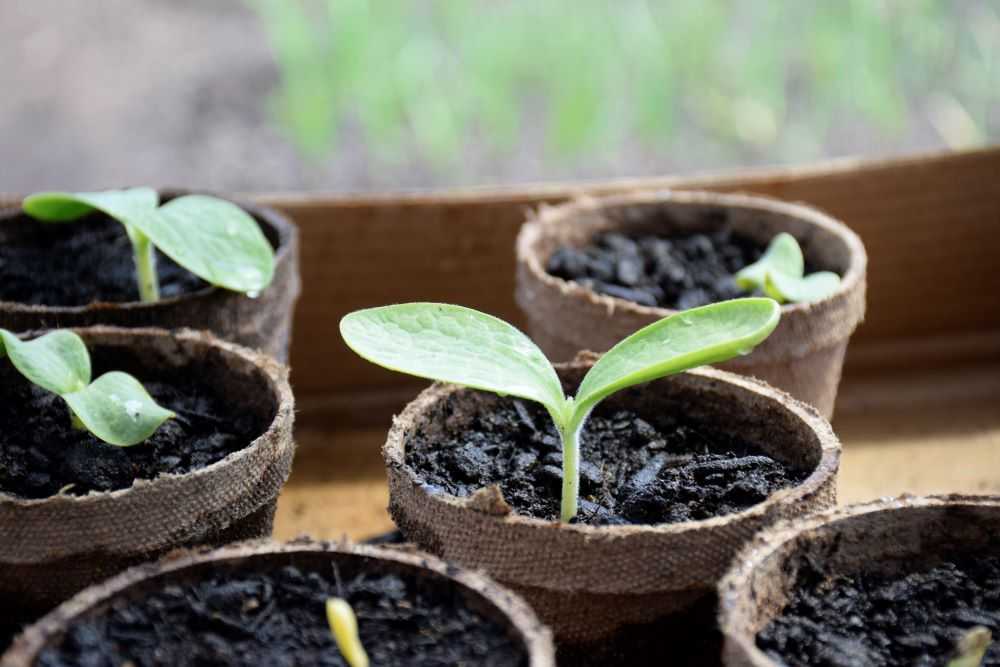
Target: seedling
<point x="463" y="346"/>
<point x="780" y="274"/>
<point x="115" y="407"/>
<point x="344" y="626"/>
<point x="212" y="238"/>
<point x="972" y="648"/>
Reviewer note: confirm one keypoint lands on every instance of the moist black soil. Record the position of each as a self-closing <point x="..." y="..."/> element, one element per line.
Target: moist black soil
<point x="677" y="272"/>
<point x="40" y="453"/>
<point x="279" y="619"/>
<point x="634" y="471"/>
<point x="906" y="620"/>
<point x="77" y="263"/>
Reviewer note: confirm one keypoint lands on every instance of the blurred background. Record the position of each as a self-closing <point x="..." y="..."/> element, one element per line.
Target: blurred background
<point x="349" y="95"/>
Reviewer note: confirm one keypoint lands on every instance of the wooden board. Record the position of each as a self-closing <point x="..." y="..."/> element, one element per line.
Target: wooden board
<point x="918" y="410"/>
<point x="929" y="224"/>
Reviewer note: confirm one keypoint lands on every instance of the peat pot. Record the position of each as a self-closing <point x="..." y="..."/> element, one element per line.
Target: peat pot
<point x="602" y="587"/>
<point x="263" y="603"/>
<point x="260" y="323"/>
<point x="892" y="582"/>
<point x="805" y="353"/>
<point x="209" y="476"/>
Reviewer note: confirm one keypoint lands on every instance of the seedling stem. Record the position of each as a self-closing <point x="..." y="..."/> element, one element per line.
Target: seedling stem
<point x="145" y="265"/>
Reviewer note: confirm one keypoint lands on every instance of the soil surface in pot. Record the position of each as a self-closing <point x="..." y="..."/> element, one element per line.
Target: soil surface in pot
<point x="40" y="453"/>
<point x="78" y="263"/>
<point x="906" y="620"/>
<point x="279" y="618"/>
<point x="633" y="471"/>
<point x="678" y="272"/>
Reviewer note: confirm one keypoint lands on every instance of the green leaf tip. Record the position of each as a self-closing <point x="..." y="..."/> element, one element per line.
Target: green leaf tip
<point x="780" y="274"/>
<point x="212" y="238"/>
<point x="115" y="407"/>
<point x="463" y="346"/>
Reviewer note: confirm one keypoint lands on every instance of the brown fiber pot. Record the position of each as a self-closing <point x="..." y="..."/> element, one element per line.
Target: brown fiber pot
<point x="805" y="353"/>
<point x="52" y="547"/>
<point x="589" y="582"/>
<point x="479" y="592"/>
<point x="891" y="535"/>
<point x="263" y="323"/>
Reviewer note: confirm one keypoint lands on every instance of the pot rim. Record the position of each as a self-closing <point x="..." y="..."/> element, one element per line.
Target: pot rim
<point x="393" y="453"/>
<point x="275" y="373"/>
<point x="535" y="228"/>
<point x="281" y="224"/>
<point x="771" y="539"/>
<point x="536" y="638"/>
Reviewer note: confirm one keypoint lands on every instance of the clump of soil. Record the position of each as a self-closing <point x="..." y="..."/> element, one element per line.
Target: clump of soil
<point x="678" y="272"/>
<point x="78" y="263"/>
<point x="910" y="619"/>
<point x="40" y="453"/>
<point x="633" y="471"/>
<point x="279" y="618"/>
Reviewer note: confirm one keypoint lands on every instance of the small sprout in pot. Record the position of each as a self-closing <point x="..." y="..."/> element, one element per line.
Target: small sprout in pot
<point x="463" y="346"/>
<point x="212" y="238"/>
<point x="972" y="647"/>
<point x="780" y="273"/>
<point x="344" y="626"/>
<point x="115" y="407"/>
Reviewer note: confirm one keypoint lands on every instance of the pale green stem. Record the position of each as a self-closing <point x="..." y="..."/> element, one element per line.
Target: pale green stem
<point x="145" y="266"/>
<point x="570" y="475"/>
<point x="570" y="436"/>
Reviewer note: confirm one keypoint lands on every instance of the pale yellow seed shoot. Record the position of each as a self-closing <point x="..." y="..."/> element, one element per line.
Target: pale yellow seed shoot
<point x="344" y="626"/>
<point x="972" y="648"/>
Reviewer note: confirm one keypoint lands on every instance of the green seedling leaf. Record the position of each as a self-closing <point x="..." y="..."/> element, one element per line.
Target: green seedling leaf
<point x="212" y="238"/>
<point x="814" y="287"/>
<point x="115" y="407"/>
<point x="122" y="205"/>
<point x="779" y="273"/>
<point x="344" y="626"/>
<point x="57" y="362"/>
<point x="463" y="346"/>
<point x="454" y="344"/>
<point x="696" y="337"/>
<point x="972" y="648"/>
<point x="783" y="255"/>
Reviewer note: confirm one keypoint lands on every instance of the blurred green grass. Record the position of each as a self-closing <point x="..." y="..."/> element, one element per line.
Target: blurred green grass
<point x="740" y="78"/>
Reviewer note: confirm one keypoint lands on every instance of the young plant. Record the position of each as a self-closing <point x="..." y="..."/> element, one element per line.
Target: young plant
<point x="972" y="647"/>
<point x="115" y="407"/>
<point x="344" y="626"/>
<point x="212" y="238"/>
<point x="463" y="346"/>
<point x="780" y="274"/>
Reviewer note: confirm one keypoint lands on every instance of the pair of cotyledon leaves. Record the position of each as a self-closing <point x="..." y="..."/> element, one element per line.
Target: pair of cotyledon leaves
<point x="212" y="238"/>
<point x="463" y="346"/>
<point x="115" y="407"/>
<point x="780" y="273"/>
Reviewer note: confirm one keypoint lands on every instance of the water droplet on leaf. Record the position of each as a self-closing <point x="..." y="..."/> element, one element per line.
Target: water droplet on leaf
<point x="133" y="409"/>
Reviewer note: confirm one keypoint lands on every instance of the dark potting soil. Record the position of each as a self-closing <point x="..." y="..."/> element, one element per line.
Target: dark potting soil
<point x="78" y="263"/>
<point x="279" y="619"/>
<point x="908" y="620"/>
<point x="40" y="453"/>
<point x="678" y="272"/>
<point x="632" y="471"/>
